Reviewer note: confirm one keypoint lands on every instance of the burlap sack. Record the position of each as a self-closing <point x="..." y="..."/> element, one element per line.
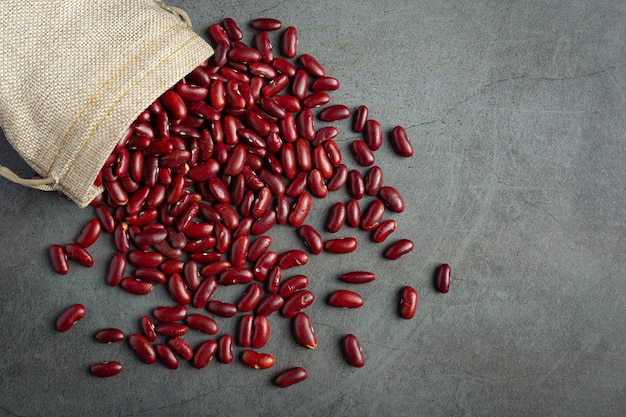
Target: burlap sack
<point x="75" y="74"/>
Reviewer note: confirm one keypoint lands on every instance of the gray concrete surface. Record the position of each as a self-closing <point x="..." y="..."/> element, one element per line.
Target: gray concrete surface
<point x="516" y="110"/>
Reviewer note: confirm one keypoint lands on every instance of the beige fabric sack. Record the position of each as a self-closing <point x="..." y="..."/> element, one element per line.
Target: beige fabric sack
<point x="74" y="74"/>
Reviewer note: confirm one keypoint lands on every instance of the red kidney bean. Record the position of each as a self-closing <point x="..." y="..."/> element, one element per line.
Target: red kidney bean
<point x="303" y="155"/>
<point x="321" y="162"/>
<point x="204" y="353"/>
<point x="272" y="282"/>
<point x="191" y="275"/>
<point x="174" y="104"/>
<point x="136" y="200"/>
<point x="303" y="330"/>
<point x="109" y="335"/>
<point x="300" y="83"/>
<point x="148" y="328"/>
<point x="227" y="214"/>
<point x="245" y="330"/>
<point x="232" y="29"/>
<point x="345" y="299"/>
<point x="356" y="184"/>
<point x="250" y="298"/>
<point x="276" y="86"/>
<point x="374" y="180"/>
<point x="225" y="349"/>
<point x="341" y="245"/>
<point x="289" y="42"/>
<point x="443" y="278"/>
<point x="360" y="119"/>
<point x="239" y="251"/>
<point x="257" y="248"/>
<point x="142" y="347"/>
<point x="198" y="230"/>
<point x="292" y="284"/>
<point x="204" y="292"/>
<point x="285" y="67"/>
<point x="336" y="217"/>
<point x="223" y="238"/>
<point x="400" y="142"/>
<point x="363" y="154"/>
<point x="261" y="203"/>
<point x="311" y="238"/>
<point x="291" y="258"/>
<point x="263" y="70"/>
<point x="399" y="248"/>
<point x="358" y="277"/>
<point x="383" y="230"/>
<point x="178" y="290"/>
<point x="235" y="275"/>
<point x="264" y="223"/>
<point x="78" y="254"/>
<point x="297" y="185"/>
<point x="171" y="329"/>
<point x="166" y="355"/>
<point x="191" y="92"/>
<point x="260" y="331"/>
<point x="137" y="287"/>
<point x="353" y="213"/>
<point x="300" y="210"/>
<point x="107" y="220"/>
<point x="373" y="214"/>
<point x="150" y="274"/>
<point x="312" y="65"/>
<point x="89" y="234"/>
<point x="244" y="54"/>
<point x="149" y="237"/>
<point x="257" y="360"/>
<point x="106" y="369"/>
<point x="217" y="33"/>
<point x="116" y="192"/>
<point x="180" y="347"/>
<point x="144" y="259"/>
<point x="173" y="266"/>
<point x="316" y="184"/>
<point x="290" y="376"/>
<point x="221" y="308"/>
<point x="392" y="199"/>
<point x="325" y="84"/>
<point x="373" y="134"/>
<point x="297" y="301"/>
<point x="143" y="218"/>
<point x="202" y="323"/>
<point x="339" y="178"/>
<point x="70" y="316"/>
<point x="58" y="259"/>
<point x="408" y="302"/>
<point x="170" y="314"/>
<point x="205" y="244"/>
<point x="269" y="304"/>
<point x="352" y="351"/>
<point x="275" y="182"/>
<point x="264" y="264"/>
<point x="325" y="134"/>
<point x="266" y="24"/>
<point x="334" y="113"/>
<point x="332" y="152"/>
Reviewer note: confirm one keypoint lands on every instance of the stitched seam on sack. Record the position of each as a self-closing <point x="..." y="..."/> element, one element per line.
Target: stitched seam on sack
<point x="117" y="102"/>
<point x="97" y="93"/>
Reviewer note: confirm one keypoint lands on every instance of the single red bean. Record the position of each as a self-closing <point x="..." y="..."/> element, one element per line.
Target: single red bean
<point x="383" y="230"/>
<point x="150" y="237"/>
<point x="174" y="104"/>
<point x="109" y="335"/>
<point x="227" y="214"/>
<point x="264" y="264"/>
<point x="173" y="266"/>
<point x="288" y="160"/>
<point x="373" y="214"/>
<point x="217" y="33"/>
<point x="266" y="24"/>
<point x="325" y="134"/>
<point x="245" y="330"/>
<point x="303" y="330"/>
<point x="300" y="83"/>
<point x="336" y="217"/>
<point x="170" y="314"/>
<point x="202" y="323"/>
<point x="334" y="113"/>
<point x="325" y="84"/>
<point x="332" y="152"/>
<point x="312" y="65"/>
<point x="78" y="254"/>
<point x="106" y="369"/>
<point x="58" y="259"/>
<point x="151" y="275"/>
<point x="191" y="275"/>
<point x="400" y="142"/>
<point x="264" y="223"/>
<point x="275" y="86"/>
<point x="178" y="290"/>
<point x="137" y="287"/>
<point x="274" y="277"/>
<point x="232" y="29"/>
<point x="136" y="200"/>
<point x="250" y="298"/>
<point x="235" y="275"/>
<point x="225" y="349"/>
<point x="345" y="299"/>
<point x="285" y="67"/>
<point x="373" y="134"/>
<point x="239" y="251"/>
<point x="353" y="213"/>
<point x="198" y="230"/>
<point x="356" y="184"/>
<point x="289" y="44"/>
<point x="181" y="347"/>
<point x="291" y="258"/>
<point x="171" y="329"/>
<point x="339" y="178"/>
<point x="300" y="210"/>
<point x="341" y="245"/>
<point x="374" y="180"/>
<point x="322" y="162"/>
<point x="261" y="203"/>
<point x="263" y="70"/>
<point x="352" y="351"/>
<point x="260" y="331"/>
<point x="257" y="360"/>
<point x="269" y="304"/>
<point x="257" y="248"/>
<point x="223" y="238"/>
<point x="192" y="92"/>
<point x="221" y="308"/>
<point x="443" y="278"/>
<point x="148" y="329"/>
<point x="311" y="238"/>
<point x="204" y="353"/>
<point x="392" y="199"/>
<point x="142" y="347"/>
<point x="297" y="185"/>
<point x="408" y="302"/>
<point x="70" y="316"/>
<point x="358" y="277"/>
<point x="244" y="54"/>
<point x="116" y="192"/>
<point x="360" y="118"/>
<point x="303" y="154"/>
<point x="107" y="220"/>
<point x="399" y="248"/>
<point x="297" y="301"/>
<point x="290" y="376"/>
<point x="316" y="184"/>
<point x="89" y="234"/>
<point x="362" y="152"/>
<point x="144" y="259"/>
<point x="166" y="355"/>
